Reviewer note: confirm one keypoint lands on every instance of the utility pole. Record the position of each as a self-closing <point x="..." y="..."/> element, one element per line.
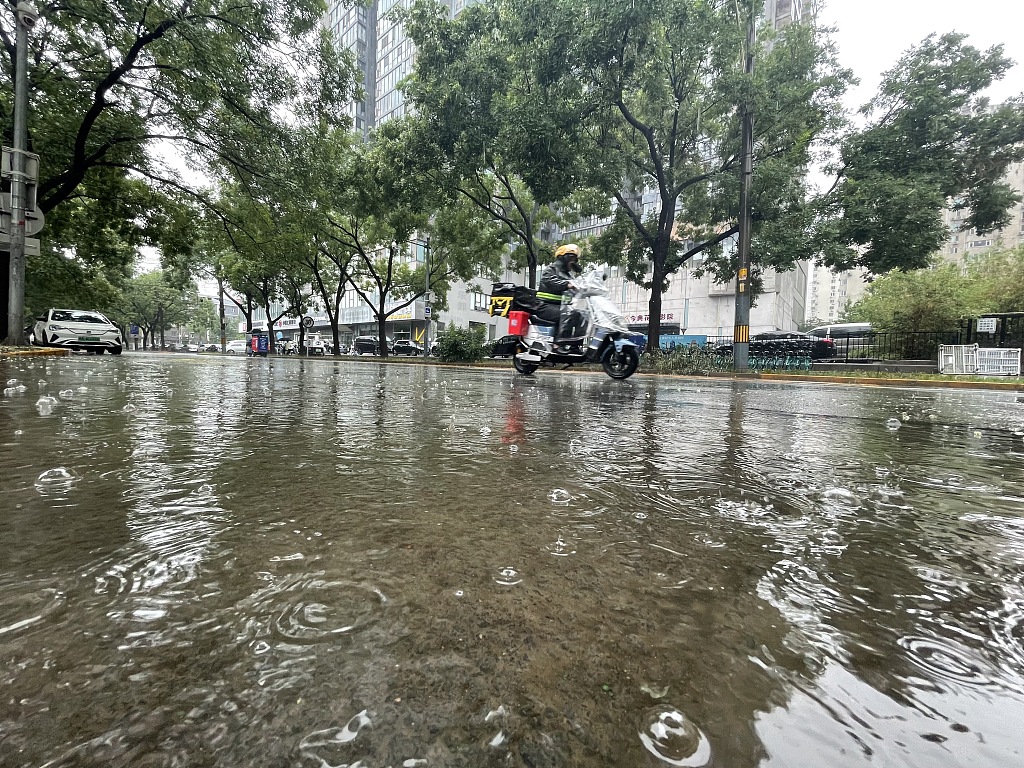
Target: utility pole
<point x="27" y="16"/>
<point x="741" y="328"/>
<point x="223" y="327"/>
<point x="426" y="300"/>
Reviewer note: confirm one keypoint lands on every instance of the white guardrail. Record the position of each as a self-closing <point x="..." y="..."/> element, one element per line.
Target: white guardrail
<point x="975" y="360"/>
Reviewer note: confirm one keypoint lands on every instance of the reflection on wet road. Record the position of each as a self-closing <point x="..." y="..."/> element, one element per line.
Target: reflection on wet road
<point x="317" y="563"/>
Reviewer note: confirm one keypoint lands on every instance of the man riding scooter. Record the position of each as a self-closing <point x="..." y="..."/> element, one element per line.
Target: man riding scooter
<point x="555" y="281"/>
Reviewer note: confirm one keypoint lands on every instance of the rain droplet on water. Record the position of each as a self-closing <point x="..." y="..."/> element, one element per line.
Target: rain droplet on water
<point x="12" y="382"/>
<point x="485" y="431"/>
<point x="513" y="449"/>
<point x="66" y="393"/>
<point x="18" y="432"/>
<point x="893" y="424"/>
<point x="57" y="477"/>
<point x="45" y="405"/>
<point x="130" y="408"/>
<point x="671" y="737"/>
<point x="560" y="496"/>
<point x="9" y="392"/>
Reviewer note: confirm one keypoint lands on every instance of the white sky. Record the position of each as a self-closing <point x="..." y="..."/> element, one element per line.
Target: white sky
<point x="873" y="34"/>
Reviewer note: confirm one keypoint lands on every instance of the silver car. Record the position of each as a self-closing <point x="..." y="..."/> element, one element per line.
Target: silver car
<point x="79" y="329"/>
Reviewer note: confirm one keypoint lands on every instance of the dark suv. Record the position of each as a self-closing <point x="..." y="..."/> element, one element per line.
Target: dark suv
<point x="366" y="345"/>
<point x="406" y="347"/>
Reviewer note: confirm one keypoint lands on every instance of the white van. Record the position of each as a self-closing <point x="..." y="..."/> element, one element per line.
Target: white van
<point x="237" y="347"/>
<point x="842" y="331"/>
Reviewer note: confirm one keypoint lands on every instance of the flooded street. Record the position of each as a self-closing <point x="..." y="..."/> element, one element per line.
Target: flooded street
<point x="212" y="561"/>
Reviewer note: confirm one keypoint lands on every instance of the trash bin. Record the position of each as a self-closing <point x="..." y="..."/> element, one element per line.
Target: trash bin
<point x="259" y="344"/>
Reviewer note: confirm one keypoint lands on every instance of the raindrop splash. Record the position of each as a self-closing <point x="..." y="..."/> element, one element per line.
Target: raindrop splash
<point x="672" y="738"/>
<point x="58" y="478"/>
<point x="508" y="577"/>
<point x="560" y="496"/>
<point x="893" y="424"/>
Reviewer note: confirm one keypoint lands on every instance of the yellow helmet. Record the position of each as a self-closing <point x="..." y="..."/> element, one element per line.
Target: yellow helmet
<point x="564" y="250"/>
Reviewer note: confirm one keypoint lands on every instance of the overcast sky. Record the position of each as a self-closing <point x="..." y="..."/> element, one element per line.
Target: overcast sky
<point x="872" y="34"/>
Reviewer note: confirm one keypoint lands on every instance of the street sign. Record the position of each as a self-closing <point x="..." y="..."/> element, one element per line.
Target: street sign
<point x="986" y="325"/>
<point x="426" y="311"/>
<point x="31" y="244"/>
<point x="307" y="322"/>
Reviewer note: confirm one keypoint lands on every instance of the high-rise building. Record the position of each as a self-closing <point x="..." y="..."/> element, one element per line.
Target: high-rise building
<point x="384" y="55"/>
<point x="966" y="244"/>
<point x="833" y="292"/>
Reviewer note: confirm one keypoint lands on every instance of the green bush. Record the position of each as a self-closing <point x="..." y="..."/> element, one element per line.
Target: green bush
<point x="461" y="345"/>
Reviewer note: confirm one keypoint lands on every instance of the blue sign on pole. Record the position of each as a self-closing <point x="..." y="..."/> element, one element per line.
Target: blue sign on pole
<point x="135" y="330"/>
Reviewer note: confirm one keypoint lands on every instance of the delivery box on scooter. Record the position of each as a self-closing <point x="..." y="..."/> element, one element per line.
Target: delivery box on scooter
<point x="518" y="323"/>
<point x="506" y="297"/>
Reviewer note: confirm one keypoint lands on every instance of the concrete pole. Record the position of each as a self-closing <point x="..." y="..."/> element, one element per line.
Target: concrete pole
<point x="741" y="328"/>
<point x="26" y="19"/>
<point x="426" y="300"/>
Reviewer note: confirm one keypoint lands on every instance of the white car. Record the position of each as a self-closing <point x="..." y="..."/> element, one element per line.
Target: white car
<point x="77" y="329"/>
<point x="237" y="347"/>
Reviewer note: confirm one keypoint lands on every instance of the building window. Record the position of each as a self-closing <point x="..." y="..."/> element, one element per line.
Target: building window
<point x="480" y="301"/>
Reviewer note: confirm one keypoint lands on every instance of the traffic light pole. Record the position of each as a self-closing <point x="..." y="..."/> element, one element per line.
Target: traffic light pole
<point x="741" y="327"/>
<point x="26" y="18"/>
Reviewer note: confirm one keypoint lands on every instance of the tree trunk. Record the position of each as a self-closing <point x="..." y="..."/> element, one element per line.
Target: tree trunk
<point x="382" y="337"/>
<point x="654" y="306"/>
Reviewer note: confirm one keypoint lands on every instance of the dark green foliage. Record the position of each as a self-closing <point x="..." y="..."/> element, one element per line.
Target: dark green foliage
<point x="461" y="345"/>
<point x="934" y="139"/>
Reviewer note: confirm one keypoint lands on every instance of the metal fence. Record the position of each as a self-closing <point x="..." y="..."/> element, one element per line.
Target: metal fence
<point x="885" y="345"/>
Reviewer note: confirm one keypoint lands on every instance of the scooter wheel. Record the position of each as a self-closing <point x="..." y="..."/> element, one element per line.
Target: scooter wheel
<point x="620" y="365"/>
<point x="524" y="368"/>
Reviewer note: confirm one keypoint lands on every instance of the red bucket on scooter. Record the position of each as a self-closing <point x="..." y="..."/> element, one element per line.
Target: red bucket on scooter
<point x="518" y="323"/>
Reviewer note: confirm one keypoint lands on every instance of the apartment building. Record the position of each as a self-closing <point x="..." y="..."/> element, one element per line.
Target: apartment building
<point x="964" y="245"/>
<point x="831" y="292"/>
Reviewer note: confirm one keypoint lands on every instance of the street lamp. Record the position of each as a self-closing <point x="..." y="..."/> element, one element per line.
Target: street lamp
<point x="27" y="17"/>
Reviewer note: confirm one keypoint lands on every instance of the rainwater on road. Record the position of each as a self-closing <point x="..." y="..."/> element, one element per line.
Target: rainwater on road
<point x="211" y="561"/>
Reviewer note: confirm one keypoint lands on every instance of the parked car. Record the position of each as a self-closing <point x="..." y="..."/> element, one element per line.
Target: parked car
<point x="847" y="337"/>
<point x="367" y="345"/>
<point x="842" y="331"/>
<point x="406" y="347"/>
<point x="795" y="341"/>
<point x="237" y="347"/>
<point x="503" y="347"/>
<point x="77" y="329"/>
<point x="209" y="347"/>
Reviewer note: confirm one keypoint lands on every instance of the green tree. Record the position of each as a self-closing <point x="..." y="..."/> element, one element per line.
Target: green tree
<point x="116" y="86"/>
<point x="155" y="305"/>
<point x="383" y="207"/>
<point x="934" y="299"/>
<point x="484" y="132"/>
<point x="933" y="139"/>
<point x="625" y="97"/>
<point x="1000" y="280"/>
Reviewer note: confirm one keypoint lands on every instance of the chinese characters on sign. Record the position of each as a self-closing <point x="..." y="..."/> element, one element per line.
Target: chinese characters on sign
<point x="647" y="318"/>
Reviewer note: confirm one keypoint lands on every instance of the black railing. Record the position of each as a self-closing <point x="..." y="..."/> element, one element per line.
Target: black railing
<point x="884" y="345"/>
